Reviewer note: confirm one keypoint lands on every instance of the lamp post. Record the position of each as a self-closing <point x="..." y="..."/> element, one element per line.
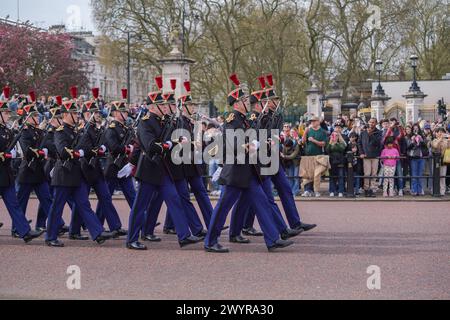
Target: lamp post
<point x="128" y="67"/>
<point x="414" y="60"/>
<point x="379" y="68"/>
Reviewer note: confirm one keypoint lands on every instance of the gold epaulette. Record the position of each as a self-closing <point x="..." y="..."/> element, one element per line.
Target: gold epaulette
<point x="253" y="117"/>
<point x="146" y="117"/>
<point x="60" y="128"/>
<point x="112" y="125"/>
<point x="230" y="118"/>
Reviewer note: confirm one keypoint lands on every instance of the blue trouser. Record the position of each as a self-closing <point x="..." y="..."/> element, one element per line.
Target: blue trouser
<point x="15" y="211"/>
<point x="258" y="200"/>
<point x="293" y="174"/>
<point x="399" y="173"/>
<point x="104" y="202"/>
<point x="191" y="214"/>
<point x="281" y="183"/>
<point x="126" y="184"/>
<point x="201" y="195"/>
<point x="337" y="180"/>
<point x="417" y="168"/>
<point x="243" y="207"/>
<point x="144" y="195"/>
<point x="42" y="191"/>
<point x="78" y="194"/>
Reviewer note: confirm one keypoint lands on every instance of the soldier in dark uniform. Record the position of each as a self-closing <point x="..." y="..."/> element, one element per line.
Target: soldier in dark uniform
<point x="154" y="173"/>
<point x="193" y="171"/>
<point x="31" y="175"/>
<point x="92" y="172"/>
<point x="280" y="180"/>
<point x="177" y="173"/>
<point x="243" y="206"/>
<point x="7" y="183"/>
<point x="241" y="178"/>
<point x="67" y="176"/>
<point x="119" y="152"/>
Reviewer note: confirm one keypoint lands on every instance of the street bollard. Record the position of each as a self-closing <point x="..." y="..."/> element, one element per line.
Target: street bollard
<point x="436" y="174"/>
<point x="350" y="176"/>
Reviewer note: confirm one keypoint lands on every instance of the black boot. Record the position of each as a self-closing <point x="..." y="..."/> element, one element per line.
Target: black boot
<point x="239" y="239"/>
<point x="63" y="230"/>
<point x="169" y="231"/>
<point x="54" y="243"/>
<point x="119" y="233"/>
<point x="32" y="235"/>
<point x="136" y="246"/>
<point x="305" y="226"/>
<point x="279" y="245"/>
<point x="103" y="237"/>
<point x="217" y="248"/>
<point x="188" y="241"/>
<point x="78" y="237"/>
<point x="252" y="232"/>
<point x="290" y="233"/>
<point x="151" y="238"/>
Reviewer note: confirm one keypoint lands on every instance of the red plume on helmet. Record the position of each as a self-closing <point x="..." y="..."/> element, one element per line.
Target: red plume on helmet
<point x="6" y="92"/>
<point x="235" y="80"/>
<point x="95" y="92"/>
<point x="32" y="95"/>
<point x="59" y="100"/>
<point x="270" y="79"/>
<point x="187" y="86"/>
<point x="262" y="82"/>
<point x="159" y="82"/>
<point x="173" y="84"/>
<point x="124" y="94"/>
<point x="74" y="92"/>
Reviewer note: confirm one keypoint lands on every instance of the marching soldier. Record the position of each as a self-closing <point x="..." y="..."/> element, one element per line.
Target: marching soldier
<point x="193" y="171"/>
<point x="274" y="121"/>
<point x="241" y="179"/>
<point x="118" y="141"/>
<point x="67" y="176"/>
<point x="31" y="176"/>
<point x="92" y="172"/>
<point x="243" y="206"/>
<point x="154" y="173"/>
<point x="177" y="174"/>
<point x="7" y="183"/>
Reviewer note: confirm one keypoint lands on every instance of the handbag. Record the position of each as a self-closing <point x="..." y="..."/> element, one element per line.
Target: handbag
<point x="446" y="158"/>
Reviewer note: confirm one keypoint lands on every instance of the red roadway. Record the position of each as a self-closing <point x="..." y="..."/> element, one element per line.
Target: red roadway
<point x="409" y="241"/>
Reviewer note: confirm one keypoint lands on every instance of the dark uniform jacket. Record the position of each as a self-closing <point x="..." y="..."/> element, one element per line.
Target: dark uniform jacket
<point x="190" y="170"/>
<point x="67" y="171"/>
<point x="49" y="142"/>
<point x="152" y="165"/>
<point x="236" y="175"/>
<point x="90" y="163"/>
<point x="31" y="170"/>
<point x="6" y="174"/>
<point x="114" y="141"/>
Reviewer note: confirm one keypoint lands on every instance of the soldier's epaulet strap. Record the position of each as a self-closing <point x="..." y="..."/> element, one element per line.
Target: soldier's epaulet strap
<point x="146" y="117"/>
<point x="60" y="128"/>
<point x="230" y="118"/>
<point x="112" y="125"/>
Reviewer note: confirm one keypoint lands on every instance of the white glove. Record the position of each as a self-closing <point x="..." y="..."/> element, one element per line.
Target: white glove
<point x="13" y="153"/>
<point x="216" y="175"/>
<point x="103" y="148"/>
<point x="45" y="153"/>
<point x="51" y="173"/>
<point x="126" y="171"/>
<point x="131" y="148"/>
<point x="81" y="152"/>
<point x="169" y="143"/>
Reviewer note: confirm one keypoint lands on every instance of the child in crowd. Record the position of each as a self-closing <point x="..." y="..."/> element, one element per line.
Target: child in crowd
<point x="389" y="157"/>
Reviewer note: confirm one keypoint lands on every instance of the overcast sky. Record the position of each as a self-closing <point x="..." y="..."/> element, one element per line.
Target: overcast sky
<point x="76" y="14"/>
